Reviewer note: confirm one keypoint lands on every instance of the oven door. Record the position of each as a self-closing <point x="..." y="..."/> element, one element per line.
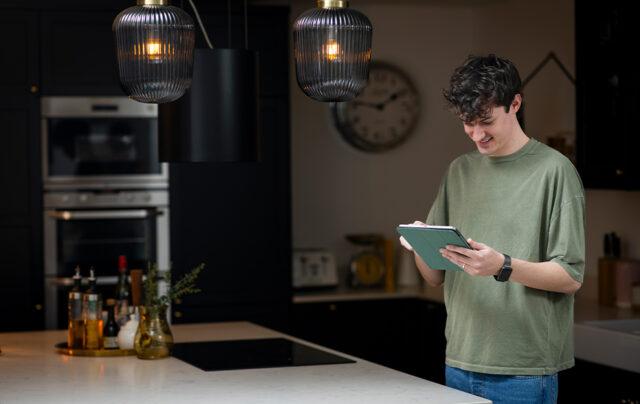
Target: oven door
<point x="95" y="238"/>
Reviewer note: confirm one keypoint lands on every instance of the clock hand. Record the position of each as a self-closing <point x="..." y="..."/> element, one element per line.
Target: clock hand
<point x="367" y="104"/>
<point x="392" y="97"/>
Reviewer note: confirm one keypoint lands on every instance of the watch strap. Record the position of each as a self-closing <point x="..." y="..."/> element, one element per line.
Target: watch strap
<point x="505" y="271"/>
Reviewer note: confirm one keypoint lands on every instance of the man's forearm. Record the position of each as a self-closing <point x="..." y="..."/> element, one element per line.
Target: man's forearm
<point x="543" y="275"/>
<point x="433" y="277"/>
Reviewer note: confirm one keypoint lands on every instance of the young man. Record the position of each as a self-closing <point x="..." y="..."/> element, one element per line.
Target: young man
<point x="510" y="311"/>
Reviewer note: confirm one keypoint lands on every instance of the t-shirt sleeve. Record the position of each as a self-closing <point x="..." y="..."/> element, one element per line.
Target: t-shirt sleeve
<point x="566" y="240"/>
<point x="438" y="214"/>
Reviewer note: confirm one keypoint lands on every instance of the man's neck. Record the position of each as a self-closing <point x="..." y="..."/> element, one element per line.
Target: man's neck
<point x="518" y="140"/>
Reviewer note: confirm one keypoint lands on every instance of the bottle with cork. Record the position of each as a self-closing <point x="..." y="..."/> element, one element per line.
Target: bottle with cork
<point x="75" y="333"/>
<point x="92" y="315"/>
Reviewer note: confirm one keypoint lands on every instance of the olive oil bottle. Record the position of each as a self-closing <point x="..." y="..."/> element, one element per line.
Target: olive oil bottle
<point x="75" y="333"/>
<point x="92" y="315"/>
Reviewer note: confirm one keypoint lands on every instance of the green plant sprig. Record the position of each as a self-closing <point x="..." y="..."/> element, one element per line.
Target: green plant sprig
<point x="185" y="286"/>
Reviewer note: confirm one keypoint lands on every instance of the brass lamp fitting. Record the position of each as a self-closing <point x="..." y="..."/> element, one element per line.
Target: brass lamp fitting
<point x="153" y="2"/>
<point x="333" y="4"/>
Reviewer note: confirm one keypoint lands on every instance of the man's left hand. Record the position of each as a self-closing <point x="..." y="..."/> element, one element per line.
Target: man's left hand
<point x="482" y="260"/>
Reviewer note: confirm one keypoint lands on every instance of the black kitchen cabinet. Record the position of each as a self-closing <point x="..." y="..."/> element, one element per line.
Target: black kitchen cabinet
<point x="20" y="218"/>
<point x="606" y="90"/>
<point x="595" y="383"/>
<point x="403" y="334"/>
<point x="78" y="53"/>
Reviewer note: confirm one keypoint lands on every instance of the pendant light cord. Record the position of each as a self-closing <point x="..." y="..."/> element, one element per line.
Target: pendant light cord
<point x="246" y="31"/>
<point x="204" y="31"/>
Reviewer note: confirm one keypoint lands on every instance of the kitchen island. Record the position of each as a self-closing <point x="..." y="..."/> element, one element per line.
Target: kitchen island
<point x="32" y="372"/>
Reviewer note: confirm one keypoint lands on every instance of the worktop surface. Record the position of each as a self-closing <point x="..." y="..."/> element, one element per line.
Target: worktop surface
<point x="32" y="372"/>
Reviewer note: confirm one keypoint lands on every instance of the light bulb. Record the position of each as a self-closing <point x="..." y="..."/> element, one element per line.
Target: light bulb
<point x="153" y="50"/>
<point x="331" y="50"/>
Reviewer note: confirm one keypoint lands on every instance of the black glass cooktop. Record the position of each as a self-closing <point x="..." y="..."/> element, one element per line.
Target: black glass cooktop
<point x="252" y="354"/>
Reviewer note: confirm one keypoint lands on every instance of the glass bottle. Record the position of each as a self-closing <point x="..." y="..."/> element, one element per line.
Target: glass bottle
<point x="92" y="315"/>
<point x="122" y="292"/>
<point x="110" y="330"/>
<point x="153" y="339"/>
<point x="75" y="333"/>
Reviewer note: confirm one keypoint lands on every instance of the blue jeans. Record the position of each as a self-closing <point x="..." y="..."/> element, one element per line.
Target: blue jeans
<point x="505" y="388"/>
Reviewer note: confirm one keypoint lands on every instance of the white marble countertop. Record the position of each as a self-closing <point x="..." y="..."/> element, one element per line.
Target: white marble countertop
<point x="32" y="372"/>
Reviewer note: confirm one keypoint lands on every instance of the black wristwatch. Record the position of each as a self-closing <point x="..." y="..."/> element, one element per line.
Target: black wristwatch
<point x="505" y="271"/>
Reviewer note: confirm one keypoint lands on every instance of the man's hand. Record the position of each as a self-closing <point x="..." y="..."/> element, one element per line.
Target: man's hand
<point x="404" y="242"/>
<point x="482" y="260"/>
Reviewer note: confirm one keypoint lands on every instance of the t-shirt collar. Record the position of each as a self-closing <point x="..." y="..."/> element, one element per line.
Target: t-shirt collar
<point x="517" y="154"/>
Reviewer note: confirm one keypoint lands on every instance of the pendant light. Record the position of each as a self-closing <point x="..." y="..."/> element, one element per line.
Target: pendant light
<point x="332" y="51"/>
<point x="154" y="46"/>
<point x="217" y="119"/>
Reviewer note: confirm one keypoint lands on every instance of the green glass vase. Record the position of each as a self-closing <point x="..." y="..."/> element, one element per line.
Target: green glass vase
<point x="154" y="339"/>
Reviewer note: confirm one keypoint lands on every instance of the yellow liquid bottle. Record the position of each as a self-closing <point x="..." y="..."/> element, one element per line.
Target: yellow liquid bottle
<point x="76" y="326"/>
<point x="92" y="316"/>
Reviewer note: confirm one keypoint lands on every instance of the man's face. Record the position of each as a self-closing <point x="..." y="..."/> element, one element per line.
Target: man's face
<point x="493" y="134"/>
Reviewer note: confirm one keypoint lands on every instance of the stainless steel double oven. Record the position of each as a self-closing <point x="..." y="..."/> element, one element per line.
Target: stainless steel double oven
<point x="105" y="193"/>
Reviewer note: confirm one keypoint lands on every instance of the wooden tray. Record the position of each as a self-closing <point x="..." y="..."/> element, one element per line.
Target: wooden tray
<point x="62" y="348"/>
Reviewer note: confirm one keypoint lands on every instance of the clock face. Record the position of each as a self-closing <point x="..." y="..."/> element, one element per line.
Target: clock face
<point x="383" y="115"/>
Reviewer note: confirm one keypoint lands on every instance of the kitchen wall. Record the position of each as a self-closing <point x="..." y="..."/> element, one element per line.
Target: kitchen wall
<point x="338" y="190"/>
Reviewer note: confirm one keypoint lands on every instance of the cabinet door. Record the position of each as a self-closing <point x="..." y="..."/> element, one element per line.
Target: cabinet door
<point x="20" y="286"/>
<point x="591" y="382"/>
<point x="17" y="121"/>
<point x="384" y="331"/>
<point x="20" y="204"/>
<point x="78" y="53"/>
<point x="432" y="319"/>
<point x="18" y="52"/>
<point x="607" y="87"/>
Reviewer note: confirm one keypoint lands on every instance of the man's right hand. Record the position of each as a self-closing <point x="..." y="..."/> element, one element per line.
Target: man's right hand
<point x="432" y="276"/>
<point x="404" y="242"/>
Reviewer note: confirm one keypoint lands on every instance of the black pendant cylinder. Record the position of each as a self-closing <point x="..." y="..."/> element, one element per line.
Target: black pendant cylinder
<point x="217" y="120"/>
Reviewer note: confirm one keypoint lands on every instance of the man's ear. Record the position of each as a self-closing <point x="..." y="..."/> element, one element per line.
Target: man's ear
<point x="515" y="104"/>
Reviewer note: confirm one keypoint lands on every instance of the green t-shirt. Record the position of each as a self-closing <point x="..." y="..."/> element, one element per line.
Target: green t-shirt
<point x="529" y="205"/>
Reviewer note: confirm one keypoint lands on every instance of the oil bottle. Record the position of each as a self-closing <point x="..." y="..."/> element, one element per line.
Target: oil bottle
<point x="92" y="315"/>
<point x="75" y="333"/>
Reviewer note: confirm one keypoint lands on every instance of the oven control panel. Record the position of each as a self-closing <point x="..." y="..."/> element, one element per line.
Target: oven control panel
<point x="106" y="199"/>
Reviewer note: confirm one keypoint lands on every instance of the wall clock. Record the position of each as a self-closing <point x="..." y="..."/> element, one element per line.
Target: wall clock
<point x="383" y="115"/>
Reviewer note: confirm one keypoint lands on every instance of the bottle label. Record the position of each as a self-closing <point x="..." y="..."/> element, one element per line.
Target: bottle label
<point x="110" y="342"/>
<point x="92" y="307"/>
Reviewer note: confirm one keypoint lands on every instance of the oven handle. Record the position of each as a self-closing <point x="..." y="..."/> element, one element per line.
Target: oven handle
<point x="101" y="214"/>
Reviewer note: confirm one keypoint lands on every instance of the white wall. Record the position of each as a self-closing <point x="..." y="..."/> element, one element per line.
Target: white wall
<point x="338" y="190"/>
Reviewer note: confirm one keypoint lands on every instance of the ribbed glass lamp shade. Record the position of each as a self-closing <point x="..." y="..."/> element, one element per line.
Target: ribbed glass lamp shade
<point x="332" y="51"/>
<point x="154" y="45"/>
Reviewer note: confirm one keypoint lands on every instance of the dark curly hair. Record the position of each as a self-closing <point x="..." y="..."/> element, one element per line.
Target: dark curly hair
<point x="481" y="83"/>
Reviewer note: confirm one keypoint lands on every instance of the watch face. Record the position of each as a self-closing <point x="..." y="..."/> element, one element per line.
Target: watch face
<point x="383" y="115"/>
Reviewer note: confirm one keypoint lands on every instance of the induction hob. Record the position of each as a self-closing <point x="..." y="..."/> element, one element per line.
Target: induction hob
<point x="252" y="354"/>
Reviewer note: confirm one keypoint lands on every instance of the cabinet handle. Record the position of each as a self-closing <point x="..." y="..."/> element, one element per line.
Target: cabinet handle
<point x="333" y="307"/>
<point x="619" y="172"/>
<point x="178" y="314"/>
<point x="38" y="307"/>
<point x="34" y="89"/>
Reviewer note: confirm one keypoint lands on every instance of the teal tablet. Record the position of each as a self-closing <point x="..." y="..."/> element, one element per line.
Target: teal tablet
<point x="427" y="242"/>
